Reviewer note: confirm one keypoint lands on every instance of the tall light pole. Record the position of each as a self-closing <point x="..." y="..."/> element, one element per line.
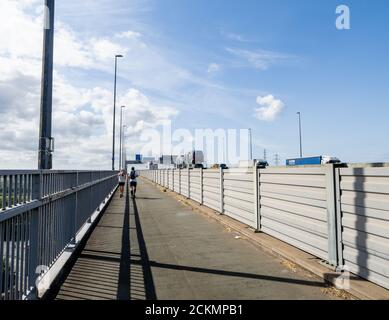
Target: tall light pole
<point x="121" y="133"/>
<point x="301" y="142"/>
<point x="45" y="139"/>
<point x="114" y="112"/>
<point x="124" y="153"/>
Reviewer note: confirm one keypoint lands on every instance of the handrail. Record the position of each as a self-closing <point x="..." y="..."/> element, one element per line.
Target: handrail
<point x="41" y="213"/>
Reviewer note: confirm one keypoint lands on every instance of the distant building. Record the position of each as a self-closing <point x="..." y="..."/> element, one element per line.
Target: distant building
<point x="167" y="159"/>
<point x="148" y="159"/>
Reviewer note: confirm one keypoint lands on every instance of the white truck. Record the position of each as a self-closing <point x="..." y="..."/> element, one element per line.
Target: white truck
<point x="193" y="159"/>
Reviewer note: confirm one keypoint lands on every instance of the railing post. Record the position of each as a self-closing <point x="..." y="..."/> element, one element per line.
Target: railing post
<point x="74" y="207"/>
<point x="90" y="200"/>
<point x="339" y="217"/>
<point x="36" y="191"/>
<point x="201" y="187"/>
<point x="331" y="214"/>
<point x="33" y="250"/>
<point x="33" y="247"/>
<point x="221" y="183"/>
<point x="257" y="212"/>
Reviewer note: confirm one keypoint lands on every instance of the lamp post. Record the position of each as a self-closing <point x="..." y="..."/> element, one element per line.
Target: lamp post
<point x="124" y="154"/>
<point x="45" y="139"/>
<point x="301" y="143"/>
<point x="121" y="133"/>
<point x="114" y="112"/>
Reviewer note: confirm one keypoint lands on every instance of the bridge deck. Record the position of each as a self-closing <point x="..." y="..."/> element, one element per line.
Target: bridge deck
<point x="156" y="248"/>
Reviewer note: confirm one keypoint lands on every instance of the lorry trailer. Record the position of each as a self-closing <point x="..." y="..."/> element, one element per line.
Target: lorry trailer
<point x="318" y="160"/>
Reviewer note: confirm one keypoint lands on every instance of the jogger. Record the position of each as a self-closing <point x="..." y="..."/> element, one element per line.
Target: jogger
<point x="122" y="181"/>
<point x="133" y="182"/>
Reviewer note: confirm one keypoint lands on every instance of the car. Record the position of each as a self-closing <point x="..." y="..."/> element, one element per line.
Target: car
<point x="262" y="164"/>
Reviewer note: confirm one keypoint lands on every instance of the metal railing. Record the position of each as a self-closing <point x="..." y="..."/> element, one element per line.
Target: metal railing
<point x="41" y="213"/>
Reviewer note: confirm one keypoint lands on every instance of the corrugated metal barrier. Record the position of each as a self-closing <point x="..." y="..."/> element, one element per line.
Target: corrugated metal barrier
<point x="364" y="202"/>
<point x="238" y="195"/>
<point x="294" y="207"/>
<point x="211" y="189"/>
<point x="338" y="214"/>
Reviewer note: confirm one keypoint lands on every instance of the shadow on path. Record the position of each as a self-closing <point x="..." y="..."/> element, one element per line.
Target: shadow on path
<point x="124" y="281"/>
<point x="141" y="258"/>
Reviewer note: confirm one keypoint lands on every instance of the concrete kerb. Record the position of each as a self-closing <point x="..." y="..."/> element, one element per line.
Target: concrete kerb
<point x="359" y="288"/>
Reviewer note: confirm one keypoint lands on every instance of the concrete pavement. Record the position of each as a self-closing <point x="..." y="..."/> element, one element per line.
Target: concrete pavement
<point x="154" y="247"/>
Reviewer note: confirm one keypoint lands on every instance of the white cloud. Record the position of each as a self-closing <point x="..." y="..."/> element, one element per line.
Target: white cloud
<point x="129" y="35"/>
<point x="270" y="108"/>
<point x="82" y="112"/>
<point x="259" y="59"/>
<point x="213" y="67"/>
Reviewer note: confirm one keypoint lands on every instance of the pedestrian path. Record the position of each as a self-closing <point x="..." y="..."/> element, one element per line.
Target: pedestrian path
<point x="154" y="247"/>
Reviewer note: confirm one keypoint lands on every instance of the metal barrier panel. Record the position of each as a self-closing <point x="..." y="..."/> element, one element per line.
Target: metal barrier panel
<point x="176" y="175"/>
<point x="364" y="205"/>
<point x="171" y="179"/>
<point x="184" y="183"/>
<point x="41" y="213"/>
<point x="166" y="178"/>
<point x="238" y="195"/>
<point x="195" y="187"/>
<point x="293" y="206"/>
<point x="211" y="188"/>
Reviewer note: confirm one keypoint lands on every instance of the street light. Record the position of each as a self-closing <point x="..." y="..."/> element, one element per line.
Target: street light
<point x="121" y="130"/>
<point x="45" y="127"/>
<point x="124" y="154"/>
<point x="114" y="112"/>
<point x="301" y="143"/>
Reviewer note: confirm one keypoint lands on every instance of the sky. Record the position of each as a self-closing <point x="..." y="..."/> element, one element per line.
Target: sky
<point x="233" y="64"/>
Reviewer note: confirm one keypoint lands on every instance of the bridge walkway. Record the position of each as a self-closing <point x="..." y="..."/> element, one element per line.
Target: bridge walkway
<point x="154" y="247"/>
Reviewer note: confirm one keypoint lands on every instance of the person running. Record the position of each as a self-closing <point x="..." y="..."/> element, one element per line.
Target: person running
<point x="122" y="182"/>
<point x="133" y="182"/>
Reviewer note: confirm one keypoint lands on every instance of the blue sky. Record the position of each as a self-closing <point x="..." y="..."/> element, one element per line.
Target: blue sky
<point x="211" y="60"/>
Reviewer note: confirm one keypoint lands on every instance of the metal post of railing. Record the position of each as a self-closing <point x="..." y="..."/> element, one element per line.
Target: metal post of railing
<point x="257" y="218"/>
<point x="74" y="208"/>
<point x="4" y="192"/>
<point x="331" y="214"/>
<point x="90" y="199"/>
<point x="33" y="248"/>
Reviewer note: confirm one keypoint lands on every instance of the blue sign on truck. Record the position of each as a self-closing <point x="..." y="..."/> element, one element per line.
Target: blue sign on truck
<point x="304" y="161"/>
<point x="312" y="161"/>
<point x="138" y="157"/>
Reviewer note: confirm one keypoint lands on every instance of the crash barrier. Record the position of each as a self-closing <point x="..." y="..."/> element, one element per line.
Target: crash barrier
<point x="338" y="214"/>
